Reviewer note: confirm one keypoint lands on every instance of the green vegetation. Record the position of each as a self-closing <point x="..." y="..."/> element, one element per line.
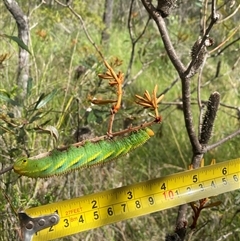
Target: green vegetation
<point x="57" y="106"/>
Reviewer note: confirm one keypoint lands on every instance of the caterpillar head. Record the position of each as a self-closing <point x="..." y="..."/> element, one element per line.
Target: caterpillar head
<point x="20" y="164"/>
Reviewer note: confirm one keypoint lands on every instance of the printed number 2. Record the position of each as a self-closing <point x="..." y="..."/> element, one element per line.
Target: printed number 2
<point x="94" y="204"/>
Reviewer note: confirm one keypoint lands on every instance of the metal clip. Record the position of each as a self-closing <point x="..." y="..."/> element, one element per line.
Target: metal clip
<point x="29" y="225"/>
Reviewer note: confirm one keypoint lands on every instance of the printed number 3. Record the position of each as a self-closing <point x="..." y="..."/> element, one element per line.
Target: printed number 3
<point x="130" y="195"/>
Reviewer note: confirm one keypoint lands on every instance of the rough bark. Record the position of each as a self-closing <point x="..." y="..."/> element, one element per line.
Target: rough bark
<point x="23" y="34"/>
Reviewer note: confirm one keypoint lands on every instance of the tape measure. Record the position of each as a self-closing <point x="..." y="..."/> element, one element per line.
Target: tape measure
<point x="99" y="209"/>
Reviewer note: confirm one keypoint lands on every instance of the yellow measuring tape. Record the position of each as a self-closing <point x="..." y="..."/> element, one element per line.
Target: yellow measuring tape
<point x="99" y="209"/>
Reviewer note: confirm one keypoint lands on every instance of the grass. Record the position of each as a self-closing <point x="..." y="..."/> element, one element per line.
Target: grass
<point x="53" y="64"/>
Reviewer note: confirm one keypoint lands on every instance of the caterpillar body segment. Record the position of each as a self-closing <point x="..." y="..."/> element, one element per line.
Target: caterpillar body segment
<point x="61" y="162"/>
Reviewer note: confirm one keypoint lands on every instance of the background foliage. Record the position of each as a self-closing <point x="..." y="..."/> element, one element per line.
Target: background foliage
<point x="57" y="107"/>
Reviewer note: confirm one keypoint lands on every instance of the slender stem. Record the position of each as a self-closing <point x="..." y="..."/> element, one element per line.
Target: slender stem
<point x="110" y="124"/>
<point x="133" y="40"/>
<point x="83" y="26"/>
<point x="226" y="40"/>
<point x="227" y="138"/>
<point x="7" y="169"/>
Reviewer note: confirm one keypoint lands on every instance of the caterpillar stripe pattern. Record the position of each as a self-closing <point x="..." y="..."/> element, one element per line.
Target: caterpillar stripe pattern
<point x="61" y="162"/>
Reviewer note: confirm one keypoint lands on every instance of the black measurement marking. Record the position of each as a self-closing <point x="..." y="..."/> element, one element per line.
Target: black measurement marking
<point x="96" y="215"/>
<point x="138" y="204"/>
<point x="124" y="207"/>
<point x="66" y="223"/>
<point x="151" y="200"/>
<point x="195" y="178"/>
<point x="110" y="211"/>
<point x="130" y="195"/>
<point x="224" y="171"/>
<point x="81" y="219"/>
<point x="163" y="187"/>
<point x="94" y="202"/>
<point x="51" y="229"/>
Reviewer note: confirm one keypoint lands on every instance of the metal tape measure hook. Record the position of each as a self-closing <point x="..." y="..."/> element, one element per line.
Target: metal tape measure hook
<point x="29" y="225"/>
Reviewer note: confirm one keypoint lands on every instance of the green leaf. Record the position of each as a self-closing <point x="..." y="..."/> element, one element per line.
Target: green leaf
<point x="29" y="85"/>
<point x="44" y="99"/>
<point x="39" y="115"/>
<point x="9" y="100"/>
<point x="20" y="43"/>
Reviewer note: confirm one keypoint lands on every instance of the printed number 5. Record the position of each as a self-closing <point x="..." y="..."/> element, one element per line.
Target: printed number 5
<point x="195" y="179"/>
<point x="96" y="215"/>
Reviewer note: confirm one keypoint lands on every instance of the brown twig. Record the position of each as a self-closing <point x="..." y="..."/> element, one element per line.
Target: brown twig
<point x="230" y="15"/>
<point x="83" y="26"/>
<point x="227" y="46"/>
<point x="225" y="139"/>
<point x="7" y="169"/>
<point x="99" y="138"/>
<point x="225" y="41"/>
<point x="133" y="40"/>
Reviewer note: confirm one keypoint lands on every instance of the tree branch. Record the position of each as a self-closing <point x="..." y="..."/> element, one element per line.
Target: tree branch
<point x="227" y="138"/>
<point x="23" y="34"/>
<point x="7" y="169"/>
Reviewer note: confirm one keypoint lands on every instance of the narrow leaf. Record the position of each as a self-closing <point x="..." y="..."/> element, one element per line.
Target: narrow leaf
<point x="44" y="99"/>
<point x="9" y="100"/>
<point x="20" y="43"/>
<point x="29" y="85"/>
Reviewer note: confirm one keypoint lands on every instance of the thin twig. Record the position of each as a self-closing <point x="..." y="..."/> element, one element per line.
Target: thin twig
<point x="229" y="16"/>
<point x="227" y="39"/>
<point x="133" y="40"/>
<point x="110" y="124"/>
<point x="225" y="139"/>
<point x="144" y="67"/>
<point x="96" y="139"/>
<point x="83" y="26"/>
<point x="223" y="49"/>
<point x="200" y="106"/>
<point x="6" y="170"/>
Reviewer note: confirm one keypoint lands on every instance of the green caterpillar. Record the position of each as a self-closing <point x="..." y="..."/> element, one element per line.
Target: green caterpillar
<point x="60" y="162"/>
